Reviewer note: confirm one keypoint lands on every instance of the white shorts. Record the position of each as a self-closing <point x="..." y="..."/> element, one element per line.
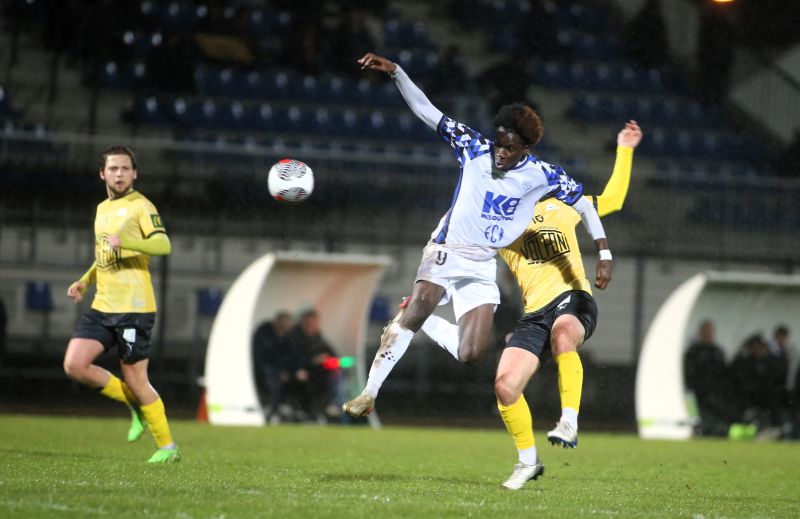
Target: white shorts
<point x="469" y="283"/>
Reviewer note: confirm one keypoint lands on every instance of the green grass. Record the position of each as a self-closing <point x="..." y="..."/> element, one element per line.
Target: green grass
<point x="83" y="467"/>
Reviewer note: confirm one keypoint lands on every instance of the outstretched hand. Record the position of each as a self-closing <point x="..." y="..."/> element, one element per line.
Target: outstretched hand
<point x="630" y="136"/>
<point x="375" y="62"/>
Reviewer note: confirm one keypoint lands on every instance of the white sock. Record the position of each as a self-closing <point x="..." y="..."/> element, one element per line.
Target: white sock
<point x="443" y="332"/>
<point x="570" y="416"/>
<point x="394" y="344"/>
<point x="528" y="456"/>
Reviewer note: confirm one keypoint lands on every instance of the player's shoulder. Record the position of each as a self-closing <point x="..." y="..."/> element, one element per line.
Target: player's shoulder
<point x="450" y="126"/>
<point x="139" y="200"/>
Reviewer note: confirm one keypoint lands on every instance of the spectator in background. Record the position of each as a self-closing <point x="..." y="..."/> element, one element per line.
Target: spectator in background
<point x="646" y="37"/>
<point x="321" y="361"/>
<point x="758" y="380"/>
<point x="279" y="367"/>
<point x="782" y="358"/>
<point x="704" y="373"/>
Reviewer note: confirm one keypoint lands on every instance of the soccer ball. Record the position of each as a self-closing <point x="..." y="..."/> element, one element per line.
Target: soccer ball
<point x="290" y="181"/>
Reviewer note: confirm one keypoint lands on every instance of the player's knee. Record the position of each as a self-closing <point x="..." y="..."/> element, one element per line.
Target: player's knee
<point x="563" y="341"/>
<point x="506" y="393"/>
<point x="74" y="369"/>
<point x="470" y="353"/>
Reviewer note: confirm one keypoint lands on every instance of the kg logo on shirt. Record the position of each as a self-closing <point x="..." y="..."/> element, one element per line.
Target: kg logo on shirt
<point x="498" y="207"/>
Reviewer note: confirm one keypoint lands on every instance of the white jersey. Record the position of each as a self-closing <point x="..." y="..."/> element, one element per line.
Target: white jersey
<point x="489" y="212"/>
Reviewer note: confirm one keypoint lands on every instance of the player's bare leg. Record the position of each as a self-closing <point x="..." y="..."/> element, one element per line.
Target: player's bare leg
<point x="79" y="363"/>
<point x="394" y="343"/>
<point x="514" y="371"/>
<point x="475" y="333"/>
<point x="565" y="337"/>
<point x="79" y="366"/>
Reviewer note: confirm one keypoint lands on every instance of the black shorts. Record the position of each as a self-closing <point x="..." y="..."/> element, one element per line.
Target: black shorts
<point x="129" y="332"/>
<point x="532" y="331"/>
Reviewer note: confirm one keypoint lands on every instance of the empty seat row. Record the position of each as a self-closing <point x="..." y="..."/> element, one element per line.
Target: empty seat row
<point x="663" y="111"/>
<point x="705" y="145"/>
<point x="576" y="44"/>
<point x="267" y="117"/>
<point x="285" y="85"/>
<point x="610" y="77"/>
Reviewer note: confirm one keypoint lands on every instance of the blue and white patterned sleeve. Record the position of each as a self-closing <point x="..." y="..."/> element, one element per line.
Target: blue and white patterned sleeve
<point x="467" y="143"/>
<point x="562" y="186"/>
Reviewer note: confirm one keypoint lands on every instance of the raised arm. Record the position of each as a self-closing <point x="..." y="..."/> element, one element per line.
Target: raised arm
<point x="416" y="99"/>
<point x="613" y="196"/>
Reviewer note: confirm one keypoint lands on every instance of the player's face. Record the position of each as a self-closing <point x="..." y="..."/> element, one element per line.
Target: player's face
<point x="509" y="148"/>
<point x="118" y="174"/>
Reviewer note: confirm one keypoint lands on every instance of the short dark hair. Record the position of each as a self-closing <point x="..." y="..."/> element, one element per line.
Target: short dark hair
<point x="522" y="120"/>
<point x="781" y="329"/>
<point x="118" y="149"/>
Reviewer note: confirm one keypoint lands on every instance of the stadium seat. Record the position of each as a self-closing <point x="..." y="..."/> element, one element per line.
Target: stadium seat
<point x="208" y="301"/>
<point x="6" y="108"/>
<point x="108" y="75"/>
<point x="147" y="110"/>
<point x="38" y="296"/>
<point x="381" y="310"/>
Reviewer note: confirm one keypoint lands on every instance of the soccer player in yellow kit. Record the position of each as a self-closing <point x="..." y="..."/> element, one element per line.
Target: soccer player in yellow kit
<point x="128" y="230"/>
<point x="559" y="311"/>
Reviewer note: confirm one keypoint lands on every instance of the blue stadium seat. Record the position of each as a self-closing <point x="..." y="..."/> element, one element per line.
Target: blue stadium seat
<point x="139" y="45"/>
<point x="349" y="123"/>
<point x="321" y="122"/>
<point x="176" y="16"/>
<point x="380" y="310"/>
<point x="278" y="86"/>
<point x="6" y="110"/>
<point x="208" y="301"/>
<point x="262" y="117"/>
<point x="405" y="34"/>
<point x="252" y="84"/>
<point x="109" y="75"/>
<point x="148" y="110"/>
<point x="308" y="89"/>
<point x="38" y="296"/>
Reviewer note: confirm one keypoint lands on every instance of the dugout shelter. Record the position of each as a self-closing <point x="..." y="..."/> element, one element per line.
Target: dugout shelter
<point x="739" y="303"/>
<point x="339" y="286"/>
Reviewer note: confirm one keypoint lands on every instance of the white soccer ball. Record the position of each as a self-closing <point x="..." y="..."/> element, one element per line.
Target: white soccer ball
<point x="290" y="181"/>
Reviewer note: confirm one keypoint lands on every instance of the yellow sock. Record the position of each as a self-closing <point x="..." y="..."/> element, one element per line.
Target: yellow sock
<point x="118" y="390"/>
<point x="156" y="419"/>
<point x="570" y="379"/>
<point x="132" y="400"/>
<point x="519" y="422"/>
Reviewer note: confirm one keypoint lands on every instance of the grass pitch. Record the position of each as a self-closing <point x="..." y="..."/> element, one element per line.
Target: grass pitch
<point x="83" y="467"/>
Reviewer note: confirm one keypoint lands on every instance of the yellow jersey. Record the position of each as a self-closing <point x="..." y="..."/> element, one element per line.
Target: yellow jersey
<point x="546" y="259"/>
<point x="123" y="276"/>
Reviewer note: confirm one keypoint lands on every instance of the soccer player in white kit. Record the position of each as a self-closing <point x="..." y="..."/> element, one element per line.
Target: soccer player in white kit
<point x="494" y="200"/>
